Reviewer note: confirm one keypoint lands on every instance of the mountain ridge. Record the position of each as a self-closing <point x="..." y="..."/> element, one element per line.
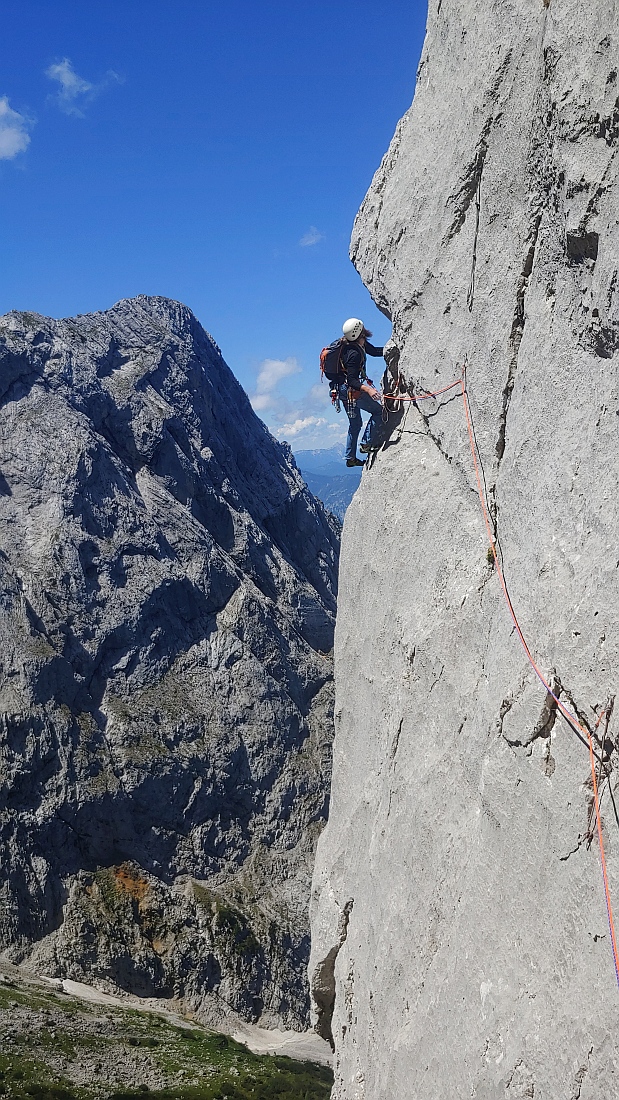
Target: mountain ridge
<point x="168" y="586"/>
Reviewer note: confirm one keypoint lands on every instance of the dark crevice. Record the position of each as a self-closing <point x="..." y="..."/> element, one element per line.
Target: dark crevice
<point x="581" y="1073"/>
<point x="435" y="439"/>
<point x="517" y="331"/>
<point x="545" y="723"/>
<point x="504" y="709"/>
<point x="548" y="716"/>
<point x="551" y="58"/>
<point x="548" y="184"/>
<point x="471" y="180"/>
<point x="394" y="750"/>
<point x="603" y="744"/>
<point x="581" y="717"/>
<point x="437" y="680"/>
<point x="470" y="185"/>
<point x="488" y="495"/>
<point x="572" y="852"/>
<point x="427" y="417"/>
<point x="607" y="127"/>
<point x="603" y="750"/>
<point x="396" y="740"/>
<point x="604" y="770"/>
<point x="323" y="980"/>
<point x="523" y="1081"/>
<point x="581" y="247"/>
<point x="470" y="297"/>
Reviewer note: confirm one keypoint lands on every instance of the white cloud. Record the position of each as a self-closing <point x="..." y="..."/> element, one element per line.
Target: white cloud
<point x="272" y="372"/>
<point x="320" y="394"/>
<point x="75" y="93"/>
<point x="309" y="432"/>
<point x="261" y="401"/>
<point x="14" y="136"/>
<point x="307" y="421"/>
<point x="313" y="236"/>
<point x="288" y="431"/>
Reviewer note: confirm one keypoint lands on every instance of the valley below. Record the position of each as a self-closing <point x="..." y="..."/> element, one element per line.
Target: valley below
<point x="55" y="1045"/>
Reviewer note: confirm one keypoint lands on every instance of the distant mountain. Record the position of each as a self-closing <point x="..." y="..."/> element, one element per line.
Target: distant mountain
<point x="167" y="594"/>
<point x="328" y="461"/>
<point x="328" y="478"/>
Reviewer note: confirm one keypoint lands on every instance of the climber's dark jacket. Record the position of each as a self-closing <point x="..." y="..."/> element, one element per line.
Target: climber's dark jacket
<point x="353" y="362"/>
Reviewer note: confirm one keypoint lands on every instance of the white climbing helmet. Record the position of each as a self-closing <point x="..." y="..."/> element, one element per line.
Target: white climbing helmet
<point x="352" y="329"/>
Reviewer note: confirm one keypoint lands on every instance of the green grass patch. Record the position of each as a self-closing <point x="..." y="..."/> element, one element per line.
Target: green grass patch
<point x="23" y="1078"/>
<point x="284" y="1079"/>
<point x="37" y="1062"/>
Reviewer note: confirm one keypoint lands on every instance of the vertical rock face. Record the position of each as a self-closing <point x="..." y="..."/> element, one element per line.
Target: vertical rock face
<point x="460" y="942"/>
<point x="168" y="598"/>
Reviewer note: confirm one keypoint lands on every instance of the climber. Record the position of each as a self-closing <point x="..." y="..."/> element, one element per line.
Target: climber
<point x="357" y="391"/>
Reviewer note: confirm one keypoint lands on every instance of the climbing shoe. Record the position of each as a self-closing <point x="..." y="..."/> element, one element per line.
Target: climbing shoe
<point x="368" y="448"/>
<point x="354" y="462"/>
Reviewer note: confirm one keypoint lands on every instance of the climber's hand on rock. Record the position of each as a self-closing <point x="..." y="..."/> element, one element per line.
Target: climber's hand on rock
<point x="391" y="355"/>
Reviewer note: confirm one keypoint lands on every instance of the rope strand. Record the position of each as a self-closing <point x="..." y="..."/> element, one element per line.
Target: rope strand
<point x="582" y="731"/>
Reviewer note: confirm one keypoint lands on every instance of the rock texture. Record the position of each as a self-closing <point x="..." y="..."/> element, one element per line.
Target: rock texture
<point x="168" y="598"/>
<point x="460" y="943"/>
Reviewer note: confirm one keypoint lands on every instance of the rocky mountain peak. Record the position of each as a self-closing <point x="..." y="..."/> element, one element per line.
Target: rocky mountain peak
<point x="168" y="586"/>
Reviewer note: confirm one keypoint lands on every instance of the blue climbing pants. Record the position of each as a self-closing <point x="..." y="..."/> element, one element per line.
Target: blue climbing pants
<point x="373" y="427"/>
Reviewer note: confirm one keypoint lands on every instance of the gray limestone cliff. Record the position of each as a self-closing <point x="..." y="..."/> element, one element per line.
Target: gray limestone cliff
<point x="167" y="607"/>
<point x="460" y="941"/>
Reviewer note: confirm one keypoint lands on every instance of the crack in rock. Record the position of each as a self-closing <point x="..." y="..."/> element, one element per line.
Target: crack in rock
<point x="521" y="1084"/>
<point x="435" y="439"/>
<point x="581" y="839"/>
<point x="323" y="980"/>
<point x="517" y="331"/>
<point x="545" y="723"/>
<point x="437" y="680"/>
<point x="470" y="184"/>
<point x="580" y="1076"/>
<point x="582" y="718"/>
<point x="396" y="740"/>
<point x="471" y="177"/>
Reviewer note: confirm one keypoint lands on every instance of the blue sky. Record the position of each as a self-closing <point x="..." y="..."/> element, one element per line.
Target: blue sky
<point x="214" y="153"/>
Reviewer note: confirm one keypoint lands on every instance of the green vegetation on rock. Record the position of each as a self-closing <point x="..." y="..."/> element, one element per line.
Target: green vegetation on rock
<point x="57" y="1047"/>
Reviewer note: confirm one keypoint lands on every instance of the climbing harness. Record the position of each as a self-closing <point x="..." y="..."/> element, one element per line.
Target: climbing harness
<point x="582" y="731"/>
<point x="351" y="401"/>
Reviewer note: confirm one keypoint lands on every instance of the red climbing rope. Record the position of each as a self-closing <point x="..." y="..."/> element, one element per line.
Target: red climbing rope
<point x="582" y="730"/>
